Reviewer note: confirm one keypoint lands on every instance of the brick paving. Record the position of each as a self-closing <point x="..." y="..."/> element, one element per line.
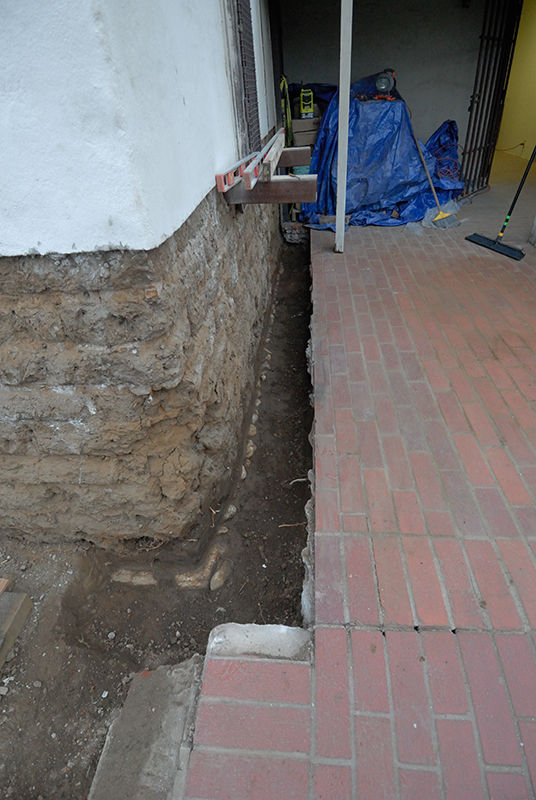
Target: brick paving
<point x="423" y="681"/>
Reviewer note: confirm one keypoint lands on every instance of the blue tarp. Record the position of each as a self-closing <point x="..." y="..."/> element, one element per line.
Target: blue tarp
<point x="385" y="173"/>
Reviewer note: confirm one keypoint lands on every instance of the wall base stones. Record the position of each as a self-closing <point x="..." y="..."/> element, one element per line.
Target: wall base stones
<point x="125" y="376"/>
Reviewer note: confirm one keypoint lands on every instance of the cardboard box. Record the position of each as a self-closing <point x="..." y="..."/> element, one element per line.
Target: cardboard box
<point x="306" y="125"/>
<point x="301" y="139"/>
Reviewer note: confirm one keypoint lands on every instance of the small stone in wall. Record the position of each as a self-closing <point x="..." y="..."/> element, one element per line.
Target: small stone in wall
<point x="231" y="511"/>
<point x="200" y="577"/>
<point x="136" y="577"/>
<point x="220" y="576"/>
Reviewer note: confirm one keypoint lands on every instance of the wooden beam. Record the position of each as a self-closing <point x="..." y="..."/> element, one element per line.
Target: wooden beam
<point x="345" y="67"/>
<point x="295" y="157"/>
<point x="272" y="157"/>
<point x="281" y="189"/>
<point x="4" y="583"/>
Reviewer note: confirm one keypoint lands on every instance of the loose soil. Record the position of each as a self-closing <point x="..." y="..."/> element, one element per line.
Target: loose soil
<point x="70" y="669"/>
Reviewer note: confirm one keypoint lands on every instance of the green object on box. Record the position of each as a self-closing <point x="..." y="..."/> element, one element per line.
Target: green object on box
<point x="301" y="170"/>
<point x="306" y="103"/>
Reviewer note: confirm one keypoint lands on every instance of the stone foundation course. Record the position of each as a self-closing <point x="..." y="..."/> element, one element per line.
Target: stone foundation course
<point x="125" y="378"/>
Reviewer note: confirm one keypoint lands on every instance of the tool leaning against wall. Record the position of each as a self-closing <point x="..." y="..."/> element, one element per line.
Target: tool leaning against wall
<point x="497" y="244"/>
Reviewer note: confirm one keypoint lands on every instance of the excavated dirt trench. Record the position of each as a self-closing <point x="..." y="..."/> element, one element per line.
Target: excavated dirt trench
<point x="90" y="631"/>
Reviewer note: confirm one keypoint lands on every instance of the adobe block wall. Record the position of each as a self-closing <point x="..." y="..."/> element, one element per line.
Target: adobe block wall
<point x="124" y="377"/>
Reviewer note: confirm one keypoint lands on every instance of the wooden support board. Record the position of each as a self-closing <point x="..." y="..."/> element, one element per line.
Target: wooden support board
<point x="270" y="162"/>
<point x="281" y="189"/>
<point x="295" y="157"/>
<point x="4" y="583"/>
<point x="252" y="172"/>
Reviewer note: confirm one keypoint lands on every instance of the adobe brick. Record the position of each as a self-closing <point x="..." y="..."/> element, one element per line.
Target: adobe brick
<point x="222" y="776"/>
<point x="519" y="564"/>
<point x="481" y="424"/>
<point x="429" y="603"/>
<point x="413" y="721"/>
<point x="494" y="720"/>
<point x="459" y="760"/>
<point x="418" y="785"/>
<point x="332" y="699"/>
<point x="460" y="592"/>
<point x="473" y="460"/>
<point x="507" y="475"/>
<point x="252" y="727"/>
<point x="496" y="513"/>
<point x="257" y="679"/>
<point x="493" y="587"/>
<point x="519" y="666"/>
<point x="394" y="598"/>
<point x="370" y="677"/>
<point x="447" y="684"/>
<point x="382" y="518"/>
<point x="374" y="754"/>
<point x="362" y="592"/>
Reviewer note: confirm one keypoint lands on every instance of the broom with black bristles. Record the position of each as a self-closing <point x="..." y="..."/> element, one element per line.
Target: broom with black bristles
<point x="443" y="220"/>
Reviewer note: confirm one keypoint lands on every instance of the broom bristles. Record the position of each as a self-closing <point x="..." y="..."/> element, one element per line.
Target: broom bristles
<point x="445" y="221"/>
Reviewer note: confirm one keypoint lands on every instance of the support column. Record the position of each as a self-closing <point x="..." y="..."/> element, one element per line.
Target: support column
<point x="345" y="67"/>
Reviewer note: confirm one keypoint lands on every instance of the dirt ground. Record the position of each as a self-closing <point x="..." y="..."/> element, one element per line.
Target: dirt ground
<point x="89" y="633"/>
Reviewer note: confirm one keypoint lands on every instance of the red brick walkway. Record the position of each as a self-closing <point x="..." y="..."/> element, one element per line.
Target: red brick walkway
<point x="423" y="682"/>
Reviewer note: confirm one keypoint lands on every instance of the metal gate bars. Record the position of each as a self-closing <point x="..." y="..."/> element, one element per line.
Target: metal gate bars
<point x="497" y="43"/>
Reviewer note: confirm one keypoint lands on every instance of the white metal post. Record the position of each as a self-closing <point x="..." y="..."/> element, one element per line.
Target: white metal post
<point x="344" y="115"/>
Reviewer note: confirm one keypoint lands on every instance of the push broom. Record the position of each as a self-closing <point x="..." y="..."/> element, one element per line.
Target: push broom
<point x="497" y="243"/>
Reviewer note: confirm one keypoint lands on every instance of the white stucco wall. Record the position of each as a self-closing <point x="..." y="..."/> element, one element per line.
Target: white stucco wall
<point x="115" y="118"/>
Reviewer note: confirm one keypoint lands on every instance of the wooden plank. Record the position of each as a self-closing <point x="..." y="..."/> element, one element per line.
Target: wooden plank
<point x="272" y="157"/>
<point x="252" y="172"/>
<point x="281" y="189"/>
<point x="345" y="67"/>
<point x="295" y="157"/>
<point x="4" y="583"/>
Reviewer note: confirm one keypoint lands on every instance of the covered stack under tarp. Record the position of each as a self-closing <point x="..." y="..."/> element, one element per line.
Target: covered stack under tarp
<point x="386" y="182"/>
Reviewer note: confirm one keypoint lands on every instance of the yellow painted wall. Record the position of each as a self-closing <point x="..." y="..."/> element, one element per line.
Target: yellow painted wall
<point x="519" y="117"/>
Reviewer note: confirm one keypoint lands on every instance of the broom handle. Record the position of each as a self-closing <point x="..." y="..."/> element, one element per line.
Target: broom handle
<point x="427" y="172"/>
<point x="514" y="201"/>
